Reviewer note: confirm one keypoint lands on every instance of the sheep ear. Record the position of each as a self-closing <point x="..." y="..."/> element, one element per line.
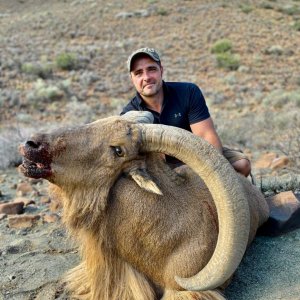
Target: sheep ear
<point x="143" y="179"/>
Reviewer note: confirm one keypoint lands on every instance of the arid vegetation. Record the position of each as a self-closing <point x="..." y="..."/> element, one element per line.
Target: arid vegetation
<point x="64" y="63"/>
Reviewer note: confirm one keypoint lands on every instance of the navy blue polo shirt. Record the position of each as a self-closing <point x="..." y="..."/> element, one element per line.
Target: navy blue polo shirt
<point x="183" y="105"/>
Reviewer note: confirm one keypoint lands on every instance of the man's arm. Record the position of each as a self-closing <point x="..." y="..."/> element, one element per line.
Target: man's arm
<point x="207" y="131"/>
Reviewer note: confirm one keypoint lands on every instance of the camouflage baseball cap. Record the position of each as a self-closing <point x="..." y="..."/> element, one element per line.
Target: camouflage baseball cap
<point x="148" y="51"/>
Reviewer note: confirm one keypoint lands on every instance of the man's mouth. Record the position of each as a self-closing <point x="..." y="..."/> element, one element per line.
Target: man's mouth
<point x="149" y="85"/>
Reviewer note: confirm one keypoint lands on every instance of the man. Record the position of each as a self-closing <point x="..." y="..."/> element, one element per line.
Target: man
<point x="174" y="103"/>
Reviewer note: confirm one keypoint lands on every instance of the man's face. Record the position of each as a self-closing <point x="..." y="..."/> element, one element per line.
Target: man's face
<point x="146" y="76"/>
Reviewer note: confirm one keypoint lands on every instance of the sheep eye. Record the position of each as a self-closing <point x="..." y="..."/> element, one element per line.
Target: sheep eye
<point x="119" y="151"/>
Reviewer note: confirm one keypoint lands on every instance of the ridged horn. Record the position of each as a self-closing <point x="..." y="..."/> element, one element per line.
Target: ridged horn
<point x="139" y="116"/>
<point x="226" y="190"/>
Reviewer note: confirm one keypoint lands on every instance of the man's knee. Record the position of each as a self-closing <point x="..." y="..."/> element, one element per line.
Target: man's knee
<point x="242" y="166"/>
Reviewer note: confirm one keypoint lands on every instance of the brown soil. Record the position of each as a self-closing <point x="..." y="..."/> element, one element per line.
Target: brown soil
<point x="101" y="34"/>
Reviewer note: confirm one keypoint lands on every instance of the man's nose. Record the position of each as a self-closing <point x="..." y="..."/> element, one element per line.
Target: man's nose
<point x="146" y="76"/>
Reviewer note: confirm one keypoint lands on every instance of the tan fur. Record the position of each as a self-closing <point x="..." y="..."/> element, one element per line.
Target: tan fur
<point x="103" y="275"/>
<point x="189" y="295"/>
<point x="133" y="242"/>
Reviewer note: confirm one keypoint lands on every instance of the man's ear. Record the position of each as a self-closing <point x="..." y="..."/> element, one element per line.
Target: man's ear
<point x="144" y="180"/>
<point x="130" y="77"/>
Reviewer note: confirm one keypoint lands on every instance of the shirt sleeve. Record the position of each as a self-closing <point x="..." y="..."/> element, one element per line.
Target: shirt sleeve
<point x="198" y="110"/>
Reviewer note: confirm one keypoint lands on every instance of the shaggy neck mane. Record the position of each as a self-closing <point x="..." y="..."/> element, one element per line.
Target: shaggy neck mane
<point x="84" y="206"/>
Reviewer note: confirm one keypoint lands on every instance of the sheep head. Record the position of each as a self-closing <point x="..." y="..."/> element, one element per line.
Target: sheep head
<point x="79" y="159"/>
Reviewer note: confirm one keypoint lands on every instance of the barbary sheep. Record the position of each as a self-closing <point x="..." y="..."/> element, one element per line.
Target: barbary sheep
<point x="146" y="231"/>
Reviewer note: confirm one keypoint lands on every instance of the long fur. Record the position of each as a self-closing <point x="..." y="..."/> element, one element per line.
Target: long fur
<point x="103" y="275"/>
<point x="189" y="295"/>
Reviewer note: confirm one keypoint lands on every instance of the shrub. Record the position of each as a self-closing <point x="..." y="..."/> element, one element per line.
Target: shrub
<point x="279" y="98"/>
<point x="221" y="46"/>
<point x="296" y="25"/>
<point x="274" y="50"/>
<point x="274" y="185"/>
<point x="245" y="8"/>
<point x="266" y="5"/>
<point x="289" y="144"/>
<point x="66" y="61"/>
<point x="44" y="93"/>
<point x="290" y="10"/>
<point x="162" y="12"/>
<point x="42" y="71"/>
<point x="228" y="61"/>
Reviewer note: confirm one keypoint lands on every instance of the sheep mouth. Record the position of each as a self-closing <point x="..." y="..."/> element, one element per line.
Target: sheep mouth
<point x="35" y="169"/>
<point x="36" y="161"/>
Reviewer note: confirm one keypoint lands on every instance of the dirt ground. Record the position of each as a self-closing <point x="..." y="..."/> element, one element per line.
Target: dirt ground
<point x="255" y="105"/>
<point x="33" y="259"/>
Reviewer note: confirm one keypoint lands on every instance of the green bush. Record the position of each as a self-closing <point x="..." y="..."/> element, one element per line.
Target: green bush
<point x="66" y="61"/>
<point x="245" y="8"/>
<point x="43" y="93"/>
<point x="296" y="25"/>
<point x="162" y="12"/>
<point x="266" y="5"/>
<point x="221" y="46"/>
<point x="274" y="50"/>
<point x="228" y="61"/>
<point x="279" y="99"/>
<point x="290" y="10"/>
<point x="42" y="71"/>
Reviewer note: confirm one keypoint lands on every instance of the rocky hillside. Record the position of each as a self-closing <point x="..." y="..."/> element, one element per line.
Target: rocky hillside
<point x="65" y="63"/>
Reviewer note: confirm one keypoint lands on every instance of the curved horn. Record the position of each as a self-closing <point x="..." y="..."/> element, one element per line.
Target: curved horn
<point x="139" y="117"/>
<point x="226" y="190"/>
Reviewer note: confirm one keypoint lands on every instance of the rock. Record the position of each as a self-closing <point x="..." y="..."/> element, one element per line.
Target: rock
<point x="50" y="218"/>
<point x="284" y="214"/>
<point x="124" y="15"/>
<point x="265" y="161"/>
<point x="26" y="201"/>
<point x="18" y="246"/>
<point x="45" y="199"/>
<point x="12" y="208"/>
<point x="279" y="162"/>
<point x="12" y="277"/>
<point x="141" y="13"/>
<point x="24" y="221"/>
<point x="14" y="186"/>
<point x="55" y="205"/>
<point x="243" y="69"/>
<point x="3" y="216"/>
<point x="24" y="188"/>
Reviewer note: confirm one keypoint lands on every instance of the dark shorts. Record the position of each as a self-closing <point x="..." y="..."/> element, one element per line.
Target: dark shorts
<point x="233" y="155"/>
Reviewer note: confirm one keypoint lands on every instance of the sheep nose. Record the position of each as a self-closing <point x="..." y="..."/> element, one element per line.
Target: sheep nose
<point x="32" y="144"/>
